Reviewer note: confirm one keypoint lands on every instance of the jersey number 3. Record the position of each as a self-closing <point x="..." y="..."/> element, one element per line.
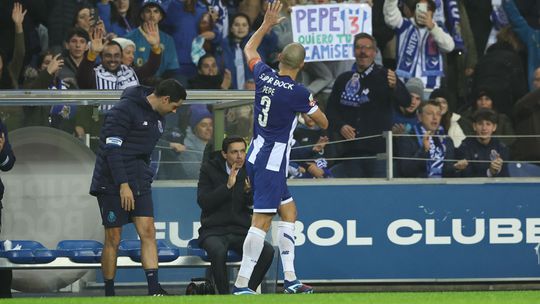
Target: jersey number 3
<point x="263" y="117"/>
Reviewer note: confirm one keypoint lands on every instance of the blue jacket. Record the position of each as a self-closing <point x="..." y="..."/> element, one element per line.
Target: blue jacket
<point x="183" y="28"/>
<point x="7" y="158"/>
<point x="409" y="147"/>
<point x="472" y="149"/>
<point x="267" y="47"/>
<point x="104" y="11"/>
<point x="129" y="134"/>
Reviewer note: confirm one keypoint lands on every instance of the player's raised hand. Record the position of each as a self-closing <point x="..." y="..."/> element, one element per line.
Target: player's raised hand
<point x="272" y="15"/>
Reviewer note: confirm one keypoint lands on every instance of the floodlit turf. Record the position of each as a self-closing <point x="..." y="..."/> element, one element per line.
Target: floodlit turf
<point x="493" y="297"/>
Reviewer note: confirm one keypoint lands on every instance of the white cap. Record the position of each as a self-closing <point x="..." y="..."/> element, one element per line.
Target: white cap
<point x="124" y="42"/>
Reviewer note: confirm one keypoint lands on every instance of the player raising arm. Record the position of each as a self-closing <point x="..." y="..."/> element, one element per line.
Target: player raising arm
<point x="278" y="97"/>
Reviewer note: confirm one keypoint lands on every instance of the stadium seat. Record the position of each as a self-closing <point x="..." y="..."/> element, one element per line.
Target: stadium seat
<point x="132" y="249"/>
<point x="30" y="252"/>
<point x="194" y="249"/>
<point x="338" y="170"/>
<point x="80" y="251"/>
<point x="523" y="170"/>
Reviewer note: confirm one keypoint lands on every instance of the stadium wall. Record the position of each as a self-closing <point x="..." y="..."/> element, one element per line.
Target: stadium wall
<point x="390" y="231"/>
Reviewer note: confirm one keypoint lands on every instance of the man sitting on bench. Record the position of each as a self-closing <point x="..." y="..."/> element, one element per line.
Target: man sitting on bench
<point x="224" y="195"/>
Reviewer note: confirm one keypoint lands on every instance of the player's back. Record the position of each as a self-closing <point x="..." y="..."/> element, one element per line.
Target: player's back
<point x="277" y="100"/>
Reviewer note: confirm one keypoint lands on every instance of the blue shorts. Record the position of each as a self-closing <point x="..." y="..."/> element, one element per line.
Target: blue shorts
<point x="269" y="189"/>
<point x="112" y="214"/>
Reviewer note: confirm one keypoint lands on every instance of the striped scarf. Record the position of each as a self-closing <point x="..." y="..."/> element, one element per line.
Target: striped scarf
<point x="417" y="45"/>
<point x="437" y="150"/>
<point x="124" y="77"/>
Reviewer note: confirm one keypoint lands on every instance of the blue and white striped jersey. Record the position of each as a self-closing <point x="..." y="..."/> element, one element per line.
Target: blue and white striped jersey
<point x="277" y="101"/>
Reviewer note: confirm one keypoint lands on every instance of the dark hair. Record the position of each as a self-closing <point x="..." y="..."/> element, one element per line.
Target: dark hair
<point x="510" y="37"/>
<point x="427" y="103"/>
<point x="112" y="42"/>
<point x="42" y="56"/>
<point x="232" y="21"/>
<point x="200" y="62"/>
<point x="364" y="36"/>
<point x="481" y="92"/>
<point x="92" y="10"/>
<point x="131" y="14"/>
<point x="229" y="140"/>
<point x="446" y="119"/>
<point x="485" y="114"/>
<point x="438" y="93"/>
<point x="239" y="15"/>
<point x="150" y="4"/>
<point x="172" y="88"/>
<point x="76" y="31"/>
<point x="212" y="23"/>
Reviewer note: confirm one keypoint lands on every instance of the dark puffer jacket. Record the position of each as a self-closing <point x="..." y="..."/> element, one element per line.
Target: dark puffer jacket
<point x="224" y="211"/>
<point x="130" y="132"/>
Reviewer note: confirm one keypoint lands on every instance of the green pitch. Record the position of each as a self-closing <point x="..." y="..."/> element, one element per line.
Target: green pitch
<point x="494" y="297"/>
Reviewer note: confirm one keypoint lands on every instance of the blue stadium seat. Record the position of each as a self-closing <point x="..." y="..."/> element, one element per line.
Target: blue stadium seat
<point x="338" y="170"/>
<point x="132" y="249"/>
<point x="80" y="251"/>
<point x="194" y="249"/>
<point x="31" y="252"/>
<point x="523" y="170"/>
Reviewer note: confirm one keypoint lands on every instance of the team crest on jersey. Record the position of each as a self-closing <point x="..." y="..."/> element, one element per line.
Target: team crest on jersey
<point x="160" y="126"/>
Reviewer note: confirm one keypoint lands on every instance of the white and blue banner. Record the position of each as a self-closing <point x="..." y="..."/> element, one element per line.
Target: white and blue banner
<point x="394" y="231"/>
<point x="326" y="31"/>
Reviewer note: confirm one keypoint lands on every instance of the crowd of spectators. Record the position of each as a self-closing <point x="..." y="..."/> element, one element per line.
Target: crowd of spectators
<point x="471" y="55"/>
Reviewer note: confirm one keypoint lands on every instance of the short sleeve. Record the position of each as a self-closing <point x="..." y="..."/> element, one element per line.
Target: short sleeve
<point x="305" y="103"/>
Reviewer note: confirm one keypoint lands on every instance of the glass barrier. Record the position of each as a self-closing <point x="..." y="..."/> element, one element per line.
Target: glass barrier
<point x="199" y="126"/>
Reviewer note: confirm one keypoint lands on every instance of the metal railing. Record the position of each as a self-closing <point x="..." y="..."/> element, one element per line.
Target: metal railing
<point x="221" y="102"/>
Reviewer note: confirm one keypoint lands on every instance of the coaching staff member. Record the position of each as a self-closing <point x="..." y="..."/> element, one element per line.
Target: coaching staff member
<point x="224" y="195"/>
<point x="122" y="174"/>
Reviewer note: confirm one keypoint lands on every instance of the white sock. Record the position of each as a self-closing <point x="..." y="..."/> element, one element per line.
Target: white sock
<point x="253" y="246"/>
<point x="286" y="249"/>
